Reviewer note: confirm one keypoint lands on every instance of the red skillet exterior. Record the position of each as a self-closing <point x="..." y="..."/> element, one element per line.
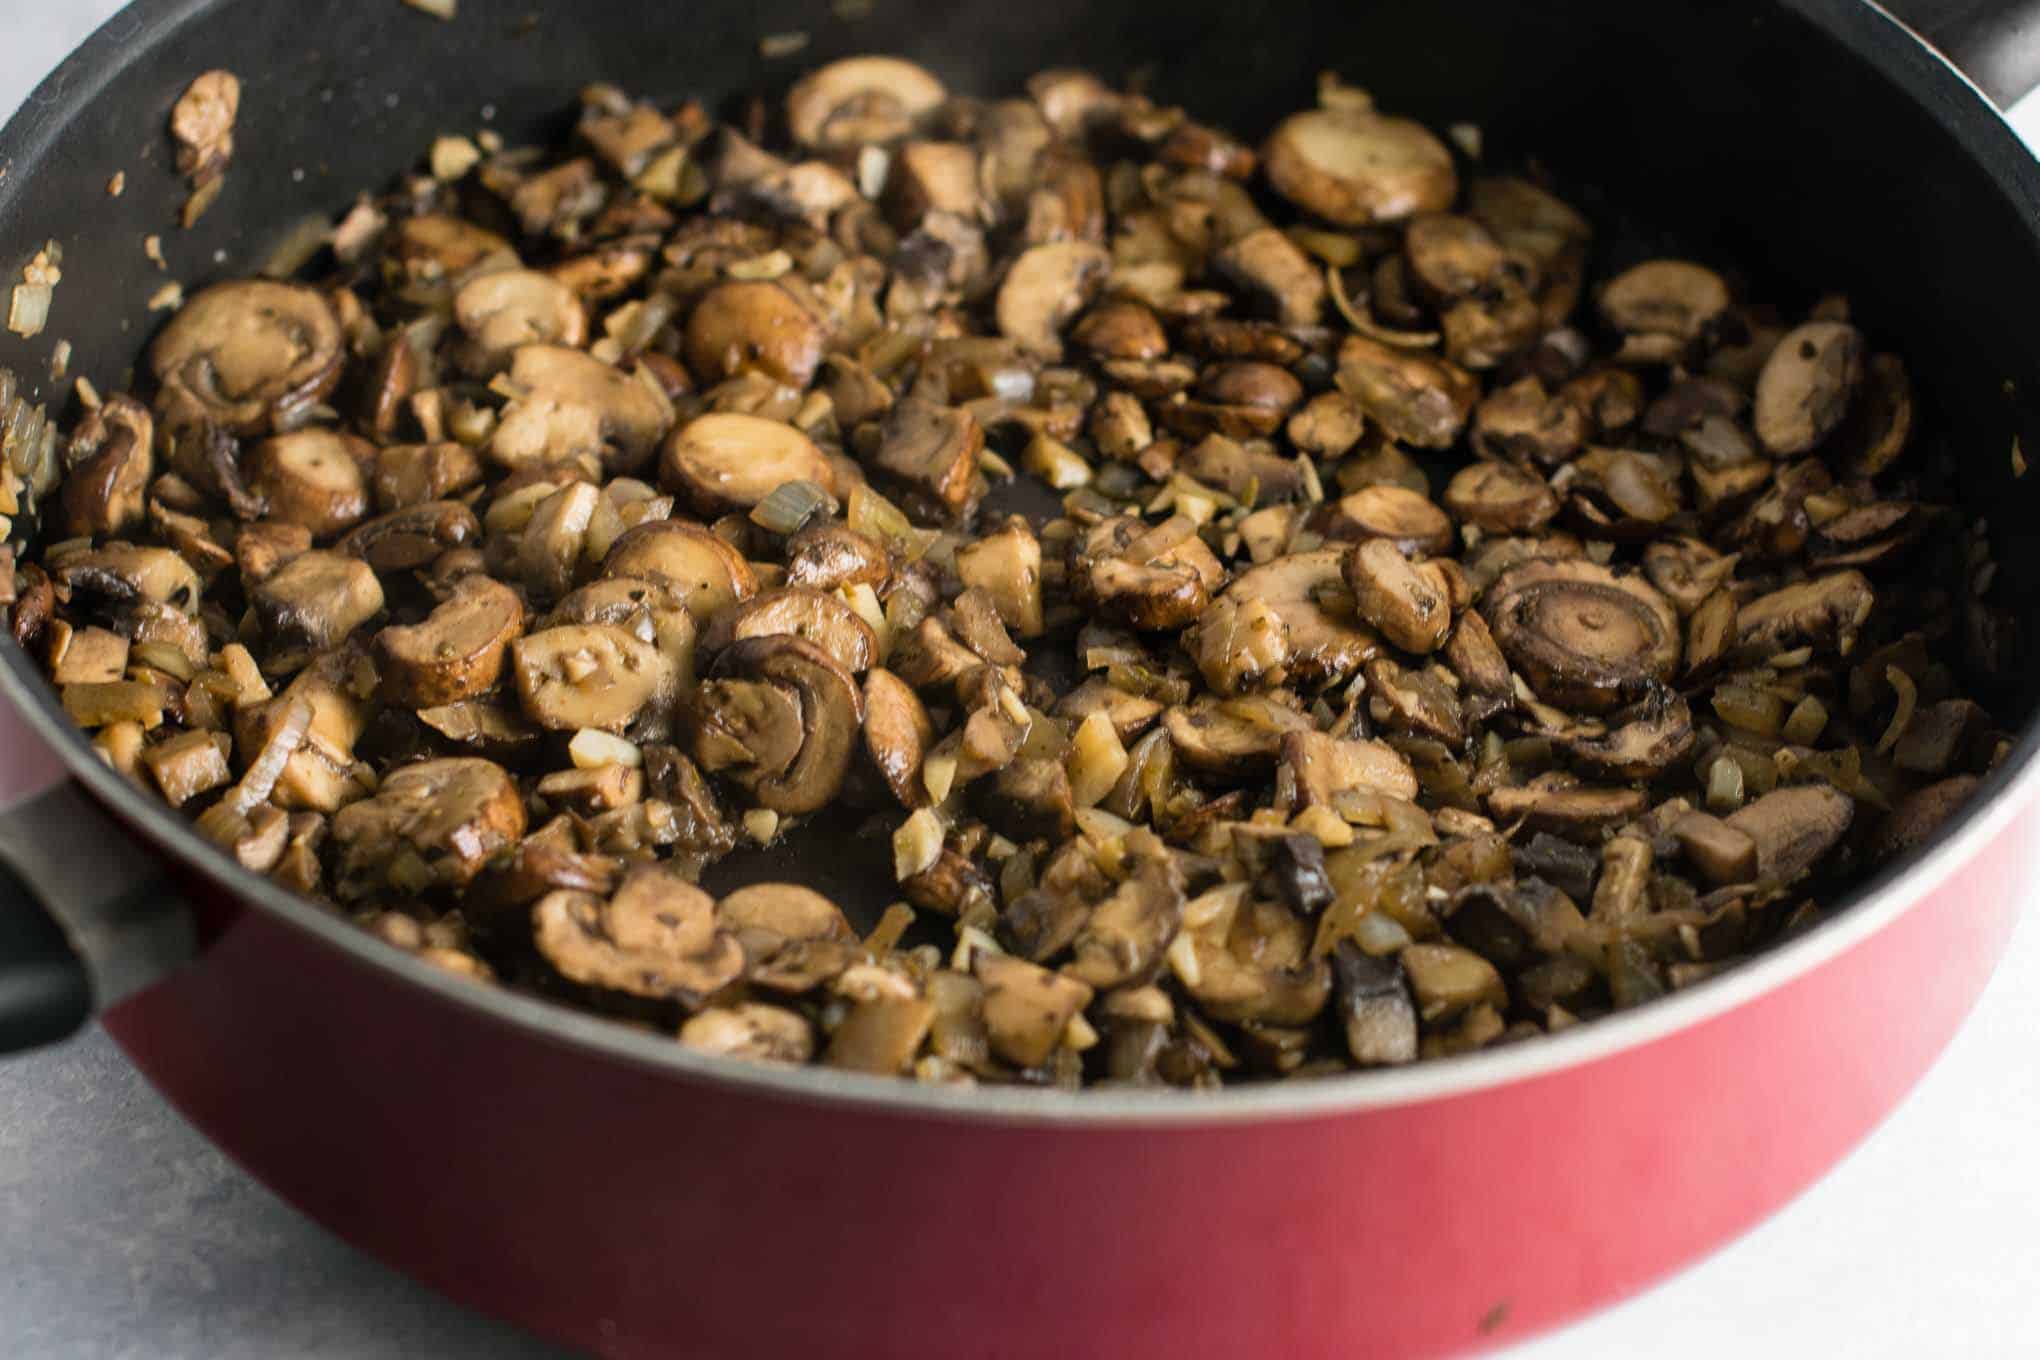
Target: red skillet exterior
<point x="636" y="1212"/>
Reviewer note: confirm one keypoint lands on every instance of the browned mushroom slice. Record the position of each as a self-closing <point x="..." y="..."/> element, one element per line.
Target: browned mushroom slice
<point x="457" y="652"/>
<point x="647" y="609"/>
<point x="1354" y="167"/>
<point x="1232" y="737"/>
<point x="1319" y="766"/>
<point x="752" y="1031"/>
<point x="111" y="457"/>
<point x="1448" y="979"/>
<point x="1400" y="601"/>
<point x="1564" y="807"/>
<point x="411" y="537"/>
<point x="1027" y="1008"/>
<point x="1006" y="566"/>
<point x="1045" y="288"/>
<point x="829" y="556"/>
<point x="1237" y="469"/>
<point x="1486" y="684"/>
<point x="821" y="618"/>
<point x="858" y="100"/>
<point x="1582" y="636"/>
<point x="1421" y="701"/>
<point x="450" y="816"/>
<point x="411" y="474"/>
<point x="932" y="177"/>
<point x="122" y="574"/>
<point x="1622" y="495"/>
<point x="1324" y="647"/>
<point x="247" y="355"/>
<point x="439" y="245"/>
<point x="821" y="701"/>
<point x="586" y="675"/>
<point x="1375" y="1007"/>
<point x="933" y="451"/>
<point x="1500" y="498"/>
<point x="1874" y="432"/>
<point x="656" y="938"/>
<point x="1129" y="714"/>
<point x="1121" y="941"/>
<point x="1668" y="303"/>
<point x="1686" y="571"/>
<point x="1267" y="264"/>
<point x="703" y="570"/>
<point x="1866" y="535"/>
<point x="316" y="478"/>
<point x="1150" y="578"/>
<point x="502" y="311"/>
<point x="771" y="912"/>
<point x="1240" y="642"/>
<point x="722" y="462"/>
<point x="1641" y="744"/>
<point x="897" y="734"/>
<point x="1259" y="971"/>
<point x="1523" y="423"/>
<point x="1824" y="613"/>
<point x="1452" y="257"/>
<point x="1794" y="828"/>
<point x="1405" y="519"/>
<point x="316" y="599"/>
<point x="1919" y="815"/>
<point x="747" y="324"/>
<point x="570" y="404"/>
<point x="1806" y="384"/>
<point x="1418" y="399"/>
<point x="1119" y="328"/>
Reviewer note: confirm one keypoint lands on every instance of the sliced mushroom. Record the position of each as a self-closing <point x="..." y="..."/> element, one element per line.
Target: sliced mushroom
<point x="1241" y="642"/>
<point x="859" y="100"/>
<point x="1402" y="517"/>
<point x="1147" y="578"/>
<point x="438" y="245"/>
<point x="897" y="735"/>
<point x="316" y="599"/>
<point x="317" y="478"/>
<point x="452" y="814"/>
<point x="703" y="570"/>
<point x="767" y="913"/>
<point x="1824" y="613"/>
<point x="1501" y="498"/>
<point x="1259" y="972"/>
<point x="1376" y="1011"/>
<point x="1722" y="853"/>
<point x="112" y="457"/>
<point x="821" y="618"/>
<point x="457" y="652"/>
<point x="1269" y="265"/>
<point x="1416" y="398"/>
<point x="571" y="404"/>
<point x="1046" y="287"/>
<point x="1027" y="1008"/>
<point x="1523" y="423"/>
<point x="1129" y="714"/>
<point x="656" y="938"/>
<point x="1582" y="636"/>
<point x="752" y="1031"/>
<point x="1231" y="737"/>
<point x="722" y="462"/>
<point x="412" y="474"/>
<point x="1120" y="943"/>
<point x="1564" y="807"/>
<point x="1355" y="167"/>
<point x="1686" y="571"/>
<point x="933" y="450"/>
<point x="1806" y="385"/>
<point x="1879" y="423"/>
<point x="247" y="355"/>
<point x="1639" y="744"/>
<point x="586" y="675"/>
<point x="1318" y="766"/>
<point x="881" y="1034"/>
<point x="1006" y="565"/>
<point x="1324" y="647"/>
<point x="747" y="324"/>
<point x="1398" y="599"/>
<point x="1410" y="700"/>
<point x="1667" y="300"/>
<point x="506" y="309"/>
<point x="1448" y="979"/>
<point x="820" y="700"/>
<point x="932" y="177"/>
<point x="1919" y="815"/>
<point x="412" y="537"/>
<point x="648" y="610"/>
<point x="1794" y="828"/>
<point x="1119" y="328"/>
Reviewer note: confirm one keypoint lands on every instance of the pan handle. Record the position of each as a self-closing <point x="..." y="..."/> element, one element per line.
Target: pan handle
<point x="87" y="916"/>
<point x="1996" y="43"/>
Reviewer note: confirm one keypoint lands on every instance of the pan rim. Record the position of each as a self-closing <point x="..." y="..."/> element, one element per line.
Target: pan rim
<point x="1916" y="70"/>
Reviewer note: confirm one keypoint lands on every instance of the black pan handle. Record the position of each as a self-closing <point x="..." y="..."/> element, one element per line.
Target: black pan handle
<point x="87" y="916"/>
<point x="1996" y="43"/>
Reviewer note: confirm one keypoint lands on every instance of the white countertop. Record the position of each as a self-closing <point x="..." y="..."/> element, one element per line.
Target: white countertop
<point x="121" y="1232"/>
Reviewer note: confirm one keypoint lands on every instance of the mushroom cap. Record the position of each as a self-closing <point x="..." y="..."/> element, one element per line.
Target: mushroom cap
<point x="506" y="309"/>
<point x="1674" y="298"/>
<point x="639" y="943"/>
<point x="860" y="99"/>
<point x="1806" y="386"/>
<point x="728" y="461"/>
<point x="241" y="353"/>
<point x="1354" y="167"/>
<point x="1501" y="498"/>
<point x="1147" y="578"/>
<point x="787" y="911"/>
<point x="815" y="615"/>
<point x="411" y="537"/>
<point x="454" y="812"/>
<point x="744" y="324"/>
<point x="1231" y="737"/>
<point x="1324" y="648"/>
<point x="1044" y="289"/>
<point x="456" y="652"/>
<point x="314" y="477"/>
<point x="586" y="675"/>
<point x="1398" y="599"/>
<point x="1582" y="636"/>
<point x="897" y="735"/>
<point x="702" y="569"/>
<point x="573" y="404"/>
<point x="827" y="709"/>
<point x="1396" y="513"/>
<point x="1417" y="398"/>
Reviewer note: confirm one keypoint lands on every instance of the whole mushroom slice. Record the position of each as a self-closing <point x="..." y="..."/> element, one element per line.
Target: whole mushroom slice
<point x="768" y="915"/>
<point x="317" y="478"/>
<point x="750" y="1030"/>
<point x="316" y="599"/>
<point x="453" y="814"/>
<point x="703" y="570"/>
<point x="570" y="404"/>
<point x="1149" y="578"/>
<point x="586" y="675"/>
<point x="897" y="735"/>
<point x="753" y="324"/>
<point x="1673" y="301"/>
<point x="1354" y="167"/>
<point x="827" y="712"/>
<point x="932" y="450"/>
<point x="112" y="456"/>
<point x="502" y="311"/>
<point x="456" y="652"/>
<point x="1027" y="1008"/>
<point x="1794" y="828"/>
<point x="1231" y="737"/>
<point x="1824" y="613"/>
<point x="859" y="100"/>
<point x="1402" y="602"/>
<point x="726" y="461"/>
<point x="1641" y="743"/>
<point x="1324" y="648"/>
<point x="1046" y="287"/>
<point x="411" y="537"/>
<point x="817" y="616"/>
<point x="642" y="944"/>
<point x="1501" y="498"/>
<point x="1418" y="399"/>
<point x="1318" y="766"/>
<point x="247" y="355"/>
<point x="1584" y="637"/>
<point x="1806" y="386"/>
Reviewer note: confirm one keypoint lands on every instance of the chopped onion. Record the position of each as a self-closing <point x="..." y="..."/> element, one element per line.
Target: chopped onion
<point x="791" y="505"/>
<point x="30" y="310"/>
<point x="592" y="748"/>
